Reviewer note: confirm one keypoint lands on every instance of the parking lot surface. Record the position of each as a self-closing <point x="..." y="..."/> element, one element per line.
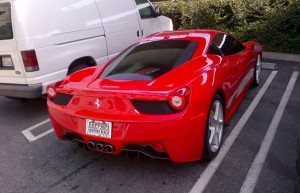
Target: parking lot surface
<point x="258" y="153"/>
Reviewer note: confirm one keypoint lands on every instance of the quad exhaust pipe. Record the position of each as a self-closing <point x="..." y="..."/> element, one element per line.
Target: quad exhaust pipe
<point x="109" y="148"/>
<point x="100" y="146"/>
<point x="91" y="145"/>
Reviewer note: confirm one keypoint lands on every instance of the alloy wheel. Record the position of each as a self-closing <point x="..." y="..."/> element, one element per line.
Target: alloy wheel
<point x="258" y="69"/>
<point x="215" y="126"/>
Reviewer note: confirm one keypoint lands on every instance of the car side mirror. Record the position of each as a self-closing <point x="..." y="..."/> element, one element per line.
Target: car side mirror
<point x="254" y="46"/>
<point x="257" y="48"/>
<point x="157" y="12"/>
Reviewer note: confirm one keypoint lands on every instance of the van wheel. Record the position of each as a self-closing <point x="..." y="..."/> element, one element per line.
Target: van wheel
<point x="76" y="67"/>
<point x="214" y="129"/>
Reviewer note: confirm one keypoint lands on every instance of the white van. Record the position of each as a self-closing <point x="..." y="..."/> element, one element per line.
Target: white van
<point x="41" y="41"/>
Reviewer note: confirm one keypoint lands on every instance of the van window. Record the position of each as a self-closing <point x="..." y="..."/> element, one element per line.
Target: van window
<point x="145" y="9"/>
<point x="5" y="22"/>
<point x="148" y="60"/>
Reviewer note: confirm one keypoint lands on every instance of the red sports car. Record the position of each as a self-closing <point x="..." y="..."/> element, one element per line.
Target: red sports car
<point x="167" y="96"/>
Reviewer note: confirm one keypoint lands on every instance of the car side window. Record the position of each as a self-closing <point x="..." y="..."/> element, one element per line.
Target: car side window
<point x="227" y="44"/>
<point x="213" y="49"/>
<point x="145" y="9"/>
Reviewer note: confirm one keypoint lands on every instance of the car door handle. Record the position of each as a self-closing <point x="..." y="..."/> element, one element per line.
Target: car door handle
<point x="138" y="33"/>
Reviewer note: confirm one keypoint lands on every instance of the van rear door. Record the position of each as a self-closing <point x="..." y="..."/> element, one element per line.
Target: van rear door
<point x="11" y="70"/>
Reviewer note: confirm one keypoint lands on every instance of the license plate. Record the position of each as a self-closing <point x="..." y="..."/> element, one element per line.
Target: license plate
<point x="98" y="128"/>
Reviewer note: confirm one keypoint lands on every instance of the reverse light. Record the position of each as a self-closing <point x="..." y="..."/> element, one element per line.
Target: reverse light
<point x="6" y="62"/>
<point x="30" y="60"/>
<point x="178" y="100"/>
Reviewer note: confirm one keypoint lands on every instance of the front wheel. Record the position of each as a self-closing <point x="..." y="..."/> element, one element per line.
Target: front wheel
<point x="214" y="129"/>
<point x="257" y="71"/>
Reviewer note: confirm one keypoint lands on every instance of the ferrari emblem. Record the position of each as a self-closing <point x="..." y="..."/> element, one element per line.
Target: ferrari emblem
<point x="97" y="103"/>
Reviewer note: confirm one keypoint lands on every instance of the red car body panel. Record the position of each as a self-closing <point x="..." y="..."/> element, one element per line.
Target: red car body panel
<point x="181" y="133"/>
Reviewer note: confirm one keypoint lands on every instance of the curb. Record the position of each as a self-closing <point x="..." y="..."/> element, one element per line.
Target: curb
<point x="281" y="56"/>
<point x="269" y="66"/>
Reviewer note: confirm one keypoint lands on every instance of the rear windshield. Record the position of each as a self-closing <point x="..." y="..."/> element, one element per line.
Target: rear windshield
<point x="5" y="22"/>
<point x="148" y="60"/>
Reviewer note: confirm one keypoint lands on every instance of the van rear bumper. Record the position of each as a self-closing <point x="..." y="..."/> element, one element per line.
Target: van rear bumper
<point x="21" y="90"/>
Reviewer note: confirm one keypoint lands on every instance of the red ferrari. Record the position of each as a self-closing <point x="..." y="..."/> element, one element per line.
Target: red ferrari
<point x="167" y="96"/>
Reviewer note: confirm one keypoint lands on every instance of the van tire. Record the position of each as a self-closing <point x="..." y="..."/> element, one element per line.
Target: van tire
<point x="75" y="68"/>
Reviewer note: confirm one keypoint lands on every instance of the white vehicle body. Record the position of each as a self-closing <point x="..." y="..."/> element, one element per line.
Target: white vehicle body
<point x="43" y="41"/>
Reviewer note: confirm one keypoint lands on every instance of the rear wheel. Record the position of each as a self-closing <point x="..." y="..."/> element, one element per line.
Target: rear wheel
<point x="214" y="129"/>
<point x="76" y="67"/>
<point x="257" y="71"/>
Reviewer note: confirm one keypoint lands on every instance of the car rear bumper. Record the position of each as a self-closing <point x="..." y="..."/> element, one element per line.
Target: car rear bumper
<point x="21" y="90"/>
<point x="181" y="136"/>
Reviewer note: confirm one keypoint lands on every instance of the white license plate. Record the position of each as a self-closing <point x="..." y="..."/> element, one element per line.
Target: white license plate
<point x="98" y="128"/>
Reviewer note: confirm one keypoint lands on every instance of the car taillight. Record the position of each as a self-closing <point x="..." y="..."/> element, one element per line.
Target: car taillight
<point x="51" y="91"/>
<point x="178" y="100"/>
<point x="30" y="61"/>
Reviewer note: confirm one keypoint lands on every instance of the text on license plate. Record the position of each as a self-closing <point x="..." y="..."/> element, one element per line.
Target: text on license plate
<point x="98" y="128"/>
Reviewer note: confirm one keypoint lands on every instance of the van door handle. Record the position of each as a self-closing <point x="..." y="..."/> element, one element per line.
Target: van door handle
<point x="138" y="33"/>
<point x="142" y="32"/>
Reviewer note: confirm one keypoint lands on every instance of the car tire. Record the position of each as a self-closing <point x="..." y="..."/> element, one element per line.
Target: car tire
<point x="214" y="129"/>
<point x="77" y="67"/>
<point x="257" y="71"/>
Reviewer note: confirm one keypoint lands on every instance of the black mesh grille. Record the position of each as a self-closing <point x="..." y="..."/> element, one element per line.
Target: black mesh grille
<point x="62" y="99"/>
<point x="153" y="107"/>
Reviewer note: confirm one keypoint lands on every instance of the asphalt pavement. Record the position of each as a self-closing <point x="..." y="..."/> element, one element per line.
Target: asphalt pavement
<point x="33" y="160"/>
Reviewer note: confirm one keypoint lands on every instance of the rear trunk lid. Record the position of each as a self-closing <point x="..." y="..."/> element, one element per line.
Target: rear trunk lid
<point x="107" y="98"/>
<point x="11" y="70"/>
